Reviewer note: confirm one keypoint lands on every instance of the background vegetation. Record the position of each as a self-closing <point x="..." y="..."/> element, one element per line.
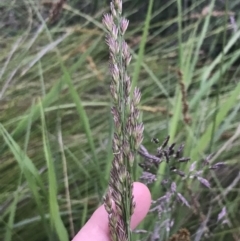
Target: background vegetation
<point x="55" y="121"/>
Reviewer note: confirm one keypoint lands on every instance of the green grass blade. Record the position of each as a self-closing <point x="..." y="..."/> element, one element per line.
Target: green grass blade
<point x="55" y="217"/>
<point x="205" y="85"/>
<point x="81" y="111"/>
<point x="224" y="110"/>
<point x="142" y="45"/>
<point x="9" y="229"/>
<point x="177" y="108"/>
<point x="24" y="162"/>
<point x="29" y="171"/>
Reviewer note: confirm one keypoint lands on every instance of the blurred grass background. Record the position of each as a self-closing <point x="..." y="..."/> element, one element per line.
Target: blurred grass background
<point x="55" y="121"/>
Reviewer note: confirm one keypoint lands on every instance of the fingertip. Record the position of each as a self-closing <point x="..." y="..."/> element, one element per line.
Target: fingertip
<point x="142" y="198"/>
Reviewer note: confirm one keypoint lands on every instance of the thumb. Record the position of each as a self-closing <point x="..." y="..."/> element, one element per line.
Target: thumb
<point x="97" y="226"/>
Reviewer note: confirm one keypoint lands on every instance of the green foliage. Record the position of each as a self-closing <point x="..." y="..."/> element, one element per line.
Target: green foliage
<point x="58" y="71"/>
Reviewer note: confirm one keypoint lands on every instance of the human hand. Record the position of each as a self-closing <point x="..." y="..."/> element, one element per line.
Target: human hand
<point x="97" y="226"/>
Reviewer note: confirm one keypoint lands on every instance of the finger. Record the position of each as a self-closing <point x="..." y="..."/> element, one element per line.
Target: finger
<point x="142" y="197"/>
<point x="97" y="226"/>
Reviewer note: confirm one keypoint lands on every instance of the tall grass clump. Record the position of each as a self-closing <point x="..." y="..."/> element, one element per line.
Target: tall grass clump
<point x="128" y="131"/>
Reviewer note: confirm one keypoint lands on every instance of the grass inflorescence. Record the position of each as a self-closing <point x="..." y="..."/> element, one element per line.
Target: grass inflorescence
<point x="128" y="132"/>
